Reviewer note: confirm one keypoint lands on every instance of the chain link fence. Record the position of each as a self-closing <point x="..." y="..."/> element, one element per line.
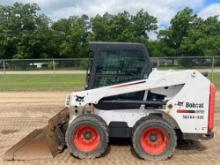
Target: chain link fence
<point x="70" y="74"/>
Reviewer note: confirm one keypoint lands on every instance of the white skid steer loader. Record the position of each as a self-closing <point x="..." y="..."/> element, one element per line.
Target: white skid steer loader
<point x="126" y="98"/>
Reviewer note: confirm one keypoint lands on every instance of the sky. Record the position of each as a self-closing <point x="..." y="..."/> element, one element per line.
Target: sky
<point x="164" y="10"/>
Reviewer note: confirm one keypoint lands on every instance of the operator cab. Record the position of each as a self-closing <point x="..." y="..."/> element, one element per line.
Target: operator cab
<point x="117" y="62"/>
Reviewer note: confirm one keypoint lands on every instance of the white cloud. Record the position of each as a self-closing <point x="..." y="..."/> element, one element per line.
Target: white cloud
<point x="164" y="10"/>
<point x="211" y="10"/>
<point x="152" y="35"/>
<point x="46" y="5"/>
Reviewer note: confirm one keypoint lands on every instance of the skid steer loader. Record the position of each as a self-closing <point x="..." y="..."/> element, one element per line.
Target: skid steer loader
<point x="126" y="98"/>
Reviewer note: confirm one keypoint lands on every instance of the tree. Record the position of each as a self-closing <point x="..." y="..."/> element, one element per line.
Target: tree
<point x="76" y="38"/>
<point x="25" y="33"/>
<point x="190" y="35"/>
<point x="123" y="26"/>
<point x="21" y="31"/>
<point x="179" y="27"/>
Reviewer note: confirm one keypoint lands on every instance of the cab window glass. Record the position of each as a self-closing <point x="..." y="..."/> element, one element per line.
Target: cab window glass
<point x="116" y="66"/>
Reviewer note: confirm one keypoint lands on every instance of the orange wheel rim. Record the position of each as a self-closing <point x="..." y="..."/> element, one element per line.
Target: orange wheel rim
<point x="86" y="138"/>
<point x="154" y="141"/>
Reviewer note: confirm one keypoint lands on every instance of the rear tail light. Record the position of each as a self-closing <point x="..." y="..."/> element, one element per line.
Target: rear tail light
<point x="211" y="106"/>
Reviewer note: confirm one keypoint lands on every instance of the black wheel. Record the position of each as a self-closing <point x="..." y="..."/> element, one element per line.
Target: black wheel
<point x="154" y="139"/>
<point x="87" y="137"/>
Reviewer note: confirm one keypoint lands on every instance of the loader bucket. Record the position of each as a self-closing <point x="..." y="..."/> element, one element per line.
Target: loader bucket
<point x="43" y="143"/>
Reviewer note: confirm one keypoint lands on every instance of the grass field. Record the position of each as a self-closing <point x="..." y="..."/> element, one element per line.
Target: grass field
<point x="41" y="82"/>
<point x="48" y="82"/>
<point x="216" y="79"/>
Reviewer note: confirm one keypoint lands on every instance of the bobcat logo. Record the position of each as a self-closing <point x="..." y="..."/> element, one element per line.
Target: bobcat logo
<point x="80" y="98"/>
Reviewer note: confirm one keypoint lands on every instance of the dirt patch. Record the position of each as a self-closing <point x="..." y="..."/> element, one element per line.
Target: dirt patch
<point x="8" y="131"/>
<point x="191" y="145"/>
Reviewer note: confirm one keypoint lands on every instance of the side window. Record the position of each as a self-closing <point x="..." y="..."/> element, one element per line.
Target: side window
<point x="118" y="66"/>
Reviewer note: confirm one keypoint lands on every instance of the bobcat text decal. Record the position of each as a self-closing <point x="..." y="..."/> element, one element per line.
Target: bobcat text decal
<point x="191" y="110"/>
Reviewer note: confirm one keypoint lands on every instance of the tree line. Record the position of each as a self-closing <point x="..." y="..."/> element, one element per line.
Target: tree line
<point x="26" y="33"/>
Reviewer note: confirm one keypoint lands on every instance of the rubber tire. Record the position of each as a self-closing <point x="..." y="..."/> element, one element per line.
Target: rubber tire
<point x="95" y="121"/>
<point x="152" y="122"/>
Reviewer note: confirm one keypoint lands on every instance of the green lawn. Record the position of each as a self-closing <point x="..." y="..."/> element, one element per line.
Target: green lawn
<point x="41" y="82"/>
<point x="47" y="82"/>
<point x="216" y="79"/>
